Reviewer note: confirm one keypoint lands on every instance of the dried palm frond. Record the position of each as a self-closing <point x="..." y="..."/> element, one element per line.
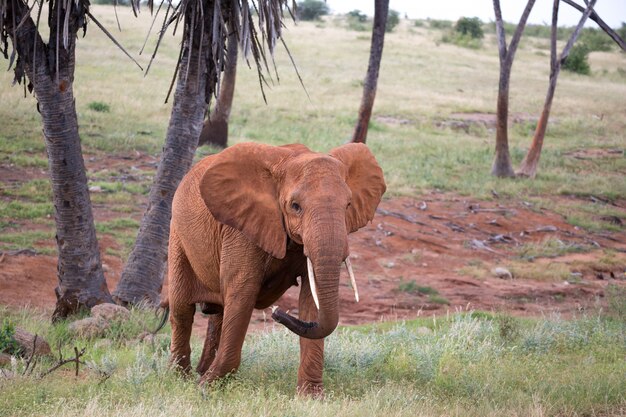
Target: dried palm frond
<point x="21" y="28"/>
<point x="208" y="23"/>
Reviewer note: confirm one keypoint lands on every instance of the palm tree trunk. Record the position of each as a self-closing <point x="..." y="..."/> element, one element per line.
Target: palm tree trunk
<point x="381" y="9"/>
<point x="215" y="130"/>
<point x="142" y="277"/>
<point x="80" y="275"/>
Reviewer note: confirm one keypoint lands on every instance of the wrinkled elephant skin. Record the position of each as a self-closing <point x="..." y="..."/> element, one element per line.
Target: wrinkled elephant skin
<point x="244" y="222"/>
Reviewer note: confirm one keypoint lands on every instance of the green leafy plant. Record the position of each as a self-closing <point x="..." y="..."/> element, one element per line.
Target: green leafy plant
<point x="470" y="26"/>
<point x="393" y="19"/>
<point x="99" y="106"/>
<point x="577" y="61"/>
<point x="8" y="344"/>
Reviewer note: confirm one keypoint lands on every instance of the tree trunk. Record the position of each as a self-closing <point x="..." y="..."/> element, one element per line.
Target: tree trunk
<point x="502" y="166"/>
<point x="80" y="275"/>
<point x="528" y="167"/>
<point x="381" y="9"/>
<point x="142" y="277"/>
<point x="215" y="130"/>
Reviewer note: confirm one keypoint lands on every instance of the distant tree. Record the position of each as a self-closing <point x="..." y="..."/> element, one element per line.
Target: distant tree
<point x="357" y="15"/>
<point x="393" y="19"/>
<point x="311" y="9"/>
<point x="470" y="26"/>
<point x="215" y="129"/>
<point x="502" y="163"/>
<point x="381" y="8"/>
<point x="528" y="167"/>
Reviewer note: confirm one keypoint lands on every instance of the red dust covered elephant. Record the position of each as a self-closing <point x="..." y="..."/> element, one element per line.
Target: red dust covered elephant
<point x="245" y="224"/>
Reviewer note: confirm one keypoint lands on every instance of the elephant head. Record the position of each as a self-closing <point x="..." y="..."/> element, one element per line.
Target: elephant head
<point x="272" y="194"/>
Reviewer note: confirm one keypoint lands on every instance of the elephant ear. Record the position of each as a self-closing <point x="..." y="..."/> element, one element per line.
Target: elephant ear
<point x="366" y="181"/>
<point x="240" y="191"/>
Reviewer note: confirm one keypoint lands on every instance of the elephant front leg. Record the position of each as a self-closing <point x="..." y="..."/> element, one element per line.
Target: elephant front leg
<point x="211" y="343"/>
<point x="311" y="350"/>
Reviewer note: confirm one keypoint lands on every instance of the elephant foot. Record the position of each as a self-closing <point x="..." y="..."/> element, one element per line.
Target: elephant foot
<point x="182" y="365"/>
<point x="311" y="390"/>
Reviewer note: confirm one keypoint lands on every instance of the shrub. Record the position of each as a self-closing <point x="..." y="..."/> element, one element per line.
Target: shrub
<point x="393" y="18"/>
<point x="595" y="40"/>
<point x="357" y="15"/>
<point x="99" y="107"/>
<point x="7" y="341"/>
<point x="439" y="24"/>
<point x="311" y="9"/>
<point x="358" y="21"/>
<point x="470" y="26"/>
<point x="577" y="61"/>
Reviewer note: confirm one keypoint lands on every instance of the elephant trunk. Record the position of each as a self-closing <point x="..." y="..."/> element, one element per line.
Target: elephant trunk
<point x="326" y="246"/>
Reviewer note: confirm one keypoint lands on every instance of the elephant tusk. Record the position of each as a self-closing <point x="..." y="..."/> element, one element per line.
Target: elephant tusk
<point x="352" y="279"/>
<point x="309" y="266"/>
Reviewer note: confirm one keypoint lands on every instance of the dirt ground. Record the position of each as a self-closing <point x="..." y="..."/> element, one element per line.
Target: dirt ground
<point x="439" y="242"/>
<point x="414" y="245"/>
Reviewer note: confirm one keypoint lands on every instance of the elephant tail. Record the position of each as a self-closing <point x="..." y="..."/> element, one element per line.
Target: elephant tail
<point x="164" y="317"/>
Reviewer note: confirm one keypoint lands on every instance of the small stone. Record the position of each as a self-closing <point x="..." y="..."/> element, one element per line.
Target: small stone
<point x="423" y="331"/>
<point x="90" y="327"/>
<point x="5" y="359"/>
<point x="502" y="273"/>
<point x="109" y="312"/>
<point x="95" y="189"/>
<point x="26" y="340"/>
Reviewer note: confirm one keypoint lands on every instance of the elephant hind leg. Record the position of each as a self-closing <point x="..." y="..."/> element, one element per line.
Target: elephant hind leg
<point x="211" y="342"/>
<point x="180" y="275"/>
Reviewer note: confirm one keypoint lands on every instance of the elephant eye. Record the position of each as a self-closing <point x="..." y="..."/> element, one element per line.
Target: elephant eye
<point x="296" y="207"/>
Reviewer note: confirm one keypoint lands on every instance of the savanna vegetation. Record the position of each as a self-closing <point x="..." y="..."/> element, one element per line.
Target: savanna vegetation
<point x="468" y="363"/>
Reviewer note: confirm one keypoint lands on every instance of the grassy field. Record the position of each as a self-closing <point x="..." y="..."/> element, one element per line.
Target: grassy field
<point x="465" y="364"/>
<point x="471" y="363"/>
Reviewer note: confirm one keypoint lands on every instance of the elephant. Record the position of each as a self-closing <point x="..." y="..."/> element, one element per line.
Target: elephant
<point x="246" y="223"/>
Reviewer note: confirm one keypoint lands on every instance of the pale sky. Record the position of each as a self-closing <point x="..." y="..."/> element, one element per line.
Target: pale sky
<point x="612" y="12"/>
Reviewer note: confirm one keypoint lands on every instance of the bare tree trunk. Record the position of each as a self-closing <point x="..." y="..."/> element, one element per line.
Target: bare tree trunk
<point x="81" y="280"/>
<point x="142" y="277"/>
<point x="502" y="166"/>
<point x="606" y="28"/>
<point x="528" y="167"/>
<point x="215" y="130"/>
<point x="381" y="9"/>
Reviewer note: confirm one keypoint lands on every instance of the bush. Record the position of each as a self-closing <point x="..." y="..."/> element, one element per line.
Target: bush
<point x="595" y="40"/>
<point x="439" y="24"/>
<point x="99" y="106"/>
<point x="7" y="341"/>
<point x="393" y="18"/>
<point x="357" y="15"/>
<point x="311" y="10"/>
<point x="465" y="41"/>
<point x="470" y="26"/>
<point x="358" y="21"/>
<point x="576" y="61"/>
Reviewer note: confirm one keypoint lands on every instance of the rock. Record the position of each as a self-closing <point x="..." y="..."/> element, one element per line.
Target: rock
<point x="90" y="327"/>
<point x="110" y="312"/>
<point x="26" y="340"/>
<point x="95" y="189"/>
<point x="423" y="331"/>
<point x="502" y="273"/>
<point x="5" y="359"/>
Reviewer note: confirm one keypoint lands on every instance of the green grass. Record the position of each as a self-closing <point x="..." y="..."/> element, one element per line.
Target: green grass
<point x="469" y="364"/>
